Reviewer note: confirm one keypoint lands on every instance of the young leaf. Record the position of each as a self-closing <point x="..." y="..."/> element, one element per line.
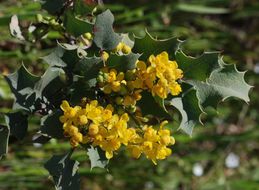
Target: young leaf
<point x="97" y="157"/>
<point x="188" y="106"/>
<point x="64" y="172"/>
<point x="4" y="138"/>
<point x="223" y="83"/>
<point x="76" y="26"/>
<point x="17" y="123"/>
<point x="15" y="28"/>
<point x="51" y="126"/>
<point x="104" y="36"/>
<point x="198" y="68"/>
<point x="149" y="45"/>
<point x="123" y="62"/>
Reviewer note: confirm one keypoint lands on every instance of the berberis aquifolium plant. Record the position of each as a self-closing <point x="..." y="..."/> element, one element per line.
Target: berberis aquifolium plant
<point x="106" y="91"/>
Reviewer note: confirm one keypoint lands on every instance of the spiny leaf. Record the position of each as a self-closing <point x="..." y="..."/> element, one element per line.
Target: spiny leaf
<point x="15" y="28"/>
<point x="123" y="62"/>
<point x="149" y="45"/>
<point x="51" y="125"/>
<point x="97" y="157"/>
<point x="198" y="68"/>
<point x="81" y="8"/>
<point x="188" y="106"/>
<point x="223" y="83"/>
<point x="76" y="26"/>
<point x="89" y="67"/>
<point x="64" y="172"/>
<point x="54" y="58"/>
<point x="17" y="123"/>
<point x="4" y="138"/>
<point x="149" y="106"/>
<point x="104" y="36"/>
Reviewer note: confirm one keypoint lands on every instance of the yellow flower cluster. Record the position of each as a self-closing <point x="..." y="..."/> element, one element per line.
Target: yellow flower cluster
<point x="101" y="127"/>
<point x="153" y="143"/>
<point x="97" y="125"/>
<point x="159" y="75"/>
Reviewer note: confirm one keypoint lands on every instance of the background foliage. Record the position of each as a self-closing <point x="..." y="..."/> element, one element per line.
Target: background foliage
<point x="220" y="25"/>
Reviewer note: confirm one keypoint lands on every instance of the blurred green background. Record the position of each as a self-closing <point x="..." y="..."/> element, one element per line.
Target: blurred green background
<point x="222" y="154"/>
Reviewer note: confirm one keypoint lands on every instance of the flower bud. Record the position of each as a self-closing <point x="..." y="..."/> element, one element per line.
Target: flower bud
<point x="88" y="36"/>
<point x="39" y="18"/>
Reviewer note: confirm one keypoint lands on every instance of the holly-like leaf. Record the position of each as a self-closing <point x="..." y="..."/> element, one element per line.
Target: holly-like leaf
<point x="188" y="106"/>
<point x="198" y="68"/>
<point x="104" y="36"/>
<point x="51" y="126"/>
<point x="54" y="58"/>
<point x="223" y="83"/>
<point x="15" y="28"/>
<point x="64" y="172"/>
<point x="76" y="26"/>
<point x="4" y="138"/>
<point x="97" y="157"/>
<point x="53" y="6"/>
<point x="89" y="67"/>
<point x="82" y="8"/>
<point x="149" y="45"/>
<point x="123" y="62"/>
<point x="21" y="84"/>
<point x="149" y="106"/>
<point x="17" y="123"/>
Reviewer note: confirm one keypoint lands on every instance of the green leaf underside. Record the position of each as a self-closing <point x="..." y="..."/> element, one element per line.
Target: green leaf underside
<point x="76" y="26"/>
<point x="64" y="172"/>
<point x="190" y="111"/>
<point x="104" y="36"/>
<point x="198" y="68"/>
<point x="4" y="137"/>
<point x="123" y="62"/>
<point x="17" y="123"/>
<point x="97" y="157"/>
<point x="51" y="126"/>
<point x="15" y="28"/>
<point x="150" y="46"/>
<point x="53" y="6"/>
<point x="222" y="84"/>
<point x="54" y="58"/>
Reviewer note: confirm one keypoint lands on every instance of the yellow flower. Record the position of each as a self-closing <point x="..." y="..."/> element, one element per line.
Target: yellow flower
<point x="105" y="56"/>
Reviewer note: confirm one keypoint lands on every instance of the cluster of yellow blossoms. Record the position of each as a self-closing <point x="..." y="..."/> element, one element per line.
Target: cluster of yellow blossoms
<point x="99" y="126"/>
<point x="158" y="75"/>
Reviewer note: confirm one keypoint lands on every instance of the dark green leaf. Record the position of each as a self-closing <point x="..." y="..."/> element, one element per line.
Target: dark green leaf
<point x="89" y="67"/>
<point x="198" y="68"/>
<point x="123" y="62"/>
<point x="81" y="8"/>
<point x="64" y="172"/>
<point x="104" y="36"/>
<point x="17" y="123"/>
<point x="4" y="138"/>
<point x="223" y="83"/>
<point x="148" y="46"/>
<point x="97" y="157"/>
<point x="51" y="126"/>
<point x="188" y="106"/>
<point x="53" y="6"/>
<point x="149" y="106"/>
<point x="76" y="26"/>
